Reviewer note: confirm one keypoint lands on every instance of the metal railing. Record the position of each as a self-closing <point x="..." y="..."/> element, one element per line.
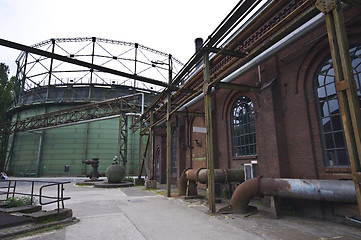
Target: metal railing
<point x="13" y="188"/>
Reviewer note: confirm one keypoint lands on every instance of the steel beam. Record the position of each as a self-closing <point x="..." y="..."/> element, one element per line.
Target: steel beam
<point x="345" y="86"/>
<point x="209" y="134"/>
<point x="40" y="52"/>
<point x="169" y="131"/>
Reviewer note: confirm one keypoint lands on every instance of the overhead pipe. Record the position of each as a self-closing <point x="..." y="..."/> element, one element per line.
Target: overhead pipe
<point x="223" y="176"/>
<point x="296" y="35"/>
<point x="310" y="189"/>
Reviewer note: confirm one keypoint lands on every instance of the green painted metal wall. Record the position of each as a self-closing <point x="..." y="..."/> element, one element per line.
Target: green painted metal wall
<point x="69" y="146"/>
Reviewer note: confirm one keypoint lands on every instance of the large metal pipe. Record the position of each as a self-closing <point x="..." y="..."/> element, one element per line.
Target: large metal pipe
<point x="223" y="176"/>
<point x="311" y="189"/>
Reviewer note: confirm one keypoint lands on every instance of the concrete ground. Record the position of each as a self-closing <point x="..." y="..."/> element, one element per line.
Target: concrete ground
<point x="134" y="213"/>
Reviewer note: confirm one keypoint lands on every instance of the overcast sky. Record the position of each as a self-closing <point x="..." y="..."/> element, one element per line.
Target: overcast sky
<point x="165" y="25"/>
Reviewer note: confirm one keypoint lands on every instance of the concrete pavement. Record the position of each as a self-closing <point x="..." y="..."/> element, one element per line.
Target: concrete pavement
<point x="133" y="213"/>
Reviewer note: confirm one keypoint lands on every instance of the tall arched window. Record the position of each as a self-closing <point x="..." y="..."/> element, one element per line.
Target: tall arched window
<point x="243" y="129"/>
<point x="334" y="144"/>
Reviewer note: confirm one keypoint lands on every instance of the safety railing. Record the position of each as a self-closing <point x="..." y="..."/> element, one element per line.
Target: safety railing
<point x="15" y="188"/>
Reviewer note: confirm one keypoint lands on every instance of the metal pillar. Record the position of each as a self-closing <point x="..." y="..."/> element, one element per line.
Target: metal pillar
<point x="122" y="140"/>
<point x="51" y="69"/>
<point x="92" y="70"/>
<point x="140" y="151"/>
<point x="169" y="128"/>
<point x="209" y="134"/>
<point x="345" y="86"/>
<point x="151" y="158"/>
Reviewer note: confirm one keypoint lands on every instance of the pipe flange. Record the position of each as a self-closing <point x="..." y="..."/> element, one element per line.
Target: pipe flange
<point x="200" y="169"/>
<point x="226" y="176"/>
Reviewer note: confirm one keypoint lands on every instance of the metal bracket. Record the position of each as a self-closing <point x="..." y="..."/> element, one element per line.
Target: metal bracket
<point x="326" y="6"/>
<point x="228" y="52"/>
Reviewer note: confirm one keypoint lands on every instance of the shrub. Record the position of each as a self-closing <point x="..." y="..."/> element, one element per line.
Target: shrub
<point x="18" y="202"/>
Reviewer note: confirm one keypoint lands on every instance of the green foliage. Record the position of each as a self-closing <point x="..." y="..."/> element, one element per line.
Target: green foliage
<point x="128" y="179"/>
<point x="6" y="91"/>
<point x="226" y="193"/>
<point x="17" y="202"/>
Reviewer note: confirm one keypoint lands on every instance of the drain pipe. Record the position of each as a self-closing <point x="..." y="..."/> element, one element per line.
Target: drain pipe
<point x="310" y="189"/>
<point x="223" y="176"/>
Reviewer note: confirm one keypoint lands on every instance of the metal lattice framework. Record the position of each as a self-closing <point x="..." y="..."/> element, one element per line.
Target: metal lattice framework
<point x="133" y="59"/>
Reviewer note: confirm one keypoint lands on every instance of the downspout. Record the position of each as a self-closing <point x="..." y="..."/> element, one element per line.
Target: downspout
<point x="310" y="189"/>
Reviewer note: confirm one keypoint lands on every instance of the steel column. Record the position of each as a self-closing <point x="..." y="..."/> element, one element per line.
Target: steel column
<point x="92" y="70"/>
<point x="122" y="140"/>
<point x="345" y="86"/>
<point x="151" y="157"/>
<point x="169" y="129"/>
<point x="140" y="151"/>
<point x="51" y="69"/>
<point x="209" y="134"/>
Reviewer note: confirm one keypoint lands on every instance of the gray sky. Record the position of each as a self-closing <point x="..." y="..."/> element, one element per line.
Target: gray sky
<point x="165" y="25"/>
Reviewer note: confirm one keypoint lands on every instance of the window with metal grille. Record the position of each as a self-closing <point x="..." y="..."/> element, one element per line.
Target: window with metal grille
<point x="334" y="144"/>
<point x="243" y="129"/>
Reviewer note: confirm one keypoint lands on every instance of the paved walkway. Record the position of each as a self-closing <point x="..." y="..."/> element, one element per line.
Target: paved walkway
<point x="133" y="213"/>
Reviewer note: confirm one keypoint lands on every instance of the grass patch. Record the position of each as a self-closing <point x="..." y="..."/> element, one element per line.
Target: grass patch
<point x="18" y="202"/>
<point x="128" y="179"/>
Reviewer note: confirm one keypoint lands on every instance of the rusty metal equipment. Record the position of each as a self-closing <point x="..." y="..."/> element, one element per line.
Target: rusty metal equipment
<point x="94" y="162"/>
<point x="189" y="177"/>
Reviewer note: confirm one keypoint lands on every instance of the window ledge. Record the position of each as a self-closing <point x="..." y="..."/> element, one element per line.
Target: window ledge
<point x="338" y="169"/>
<point x="244" y="158"/>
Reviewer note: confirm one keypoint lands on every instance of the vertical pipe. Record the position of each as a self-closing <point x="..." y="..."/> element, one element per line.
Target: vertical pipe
<point x="169" y="128"/>
<point x="38" y="158"/>
<point x="50" y="70"/>
<point x="209" y="134"/>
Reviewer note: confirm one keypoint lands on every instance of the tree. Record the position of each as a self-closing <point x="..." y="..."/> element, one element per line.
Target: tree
<point x="6" y="96"/>
<point x="6" y="91"/>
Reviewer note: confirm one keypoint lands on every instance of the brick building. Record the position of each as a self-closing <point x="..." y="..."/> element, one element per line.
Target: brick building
<point x="289" y="124"/>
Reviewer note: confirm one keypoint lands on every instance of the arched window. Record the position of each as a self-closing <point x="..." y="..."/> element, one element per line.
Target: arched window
<point x="334" y="144"/>
<point x="243" y="129"/>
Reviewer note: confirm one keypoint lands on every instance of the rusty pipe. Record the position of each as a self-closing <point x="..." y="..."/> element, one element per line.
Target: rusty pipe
<point x="182" y="183"/>
<point x="200" y="175"/>
<point x="222" y="175"/>
<point x="311" y="189"/>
